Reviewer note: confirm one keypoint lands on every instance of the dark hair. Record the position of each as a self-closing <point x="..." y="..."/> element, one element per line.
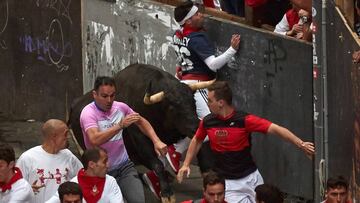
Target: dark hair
<point x="357" y="4"/>
<point x="103" y="80"/>
<point x="182" y="10"/>
<point x="334" y="182"/>
<point x="67" y="188"/>
<point x="92" y="154"/>
<point x="221" y="90"/>
<point x="269" y="194"/>
<point x="213" y="178"/>
<point x="7" y="153"/>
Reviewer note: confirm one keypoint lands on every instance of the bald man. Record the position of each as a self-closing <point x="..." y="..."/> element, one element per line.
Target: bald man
<point x="46" y="166"/>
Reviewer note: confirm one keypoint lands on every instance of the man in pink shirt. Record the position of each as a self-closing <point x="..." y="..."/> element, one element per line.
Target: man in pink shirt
<point x="102" y="123"/>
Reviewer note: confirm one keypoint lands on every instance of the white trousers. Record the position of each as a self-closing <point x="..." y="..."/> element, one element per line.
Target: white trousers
<point x="243" y="190"/>
<point x="201" y="99"/>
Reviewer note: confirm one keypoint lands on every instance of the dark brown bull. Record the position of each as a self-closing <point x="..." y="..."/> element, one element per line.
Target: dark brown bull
<point x="170" y="108"/>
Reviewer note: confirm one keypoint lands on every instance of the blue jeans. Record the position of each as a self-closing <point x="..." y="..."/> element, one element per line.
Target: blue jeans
<point x="129" y="182"/>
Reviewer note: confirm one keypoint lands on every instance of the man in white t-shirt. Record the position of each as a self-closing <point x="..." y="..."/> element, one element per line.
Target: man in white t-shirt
<point x="48" y="165"/>
<point x="102" y="123"/>
<point x="13" y="188"/>
<point x="95" y="184"/>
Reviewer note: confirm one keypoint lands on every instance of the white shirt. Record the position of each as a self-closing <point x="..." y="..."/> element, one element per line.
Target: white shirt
<point x="48" y="170"/>
<point x="111" y="192"/>
<point x="283" y="26"/>
<point x="21" y="192"/>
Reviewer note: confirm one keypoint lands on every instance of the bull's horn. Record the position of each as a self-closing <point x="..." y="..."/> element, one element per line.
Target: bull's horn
<point x="201" y="85"/>
<point x="155" y="98"/>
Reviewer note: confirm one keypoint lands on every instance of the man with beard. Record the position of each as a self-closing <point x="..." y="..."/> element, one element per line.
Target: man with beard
<point x="46" y="166"/>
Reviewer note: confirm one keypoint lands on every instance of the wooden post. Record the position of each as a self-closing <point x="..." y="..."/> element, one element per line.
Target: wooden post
<point x="249" y="15"/>
<point x="340" y="4"/>
<point x="349" y="12"/>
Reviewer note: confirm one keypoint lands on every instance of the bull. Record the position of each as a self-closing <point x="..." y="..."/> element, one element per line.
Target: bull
<point x="168" y="105"/>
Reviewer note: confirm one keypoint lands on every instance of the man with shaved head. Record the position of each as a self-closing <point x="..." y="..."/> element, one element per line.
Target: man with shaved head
<point x="46" y="166"/>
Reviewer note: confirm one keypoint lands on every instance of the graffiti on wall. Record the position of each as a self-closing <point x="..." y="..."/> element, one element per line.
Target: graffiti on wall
<point x="50" y="49"/>
<point x="4" y="20"/>
<point x="61" y="7"/>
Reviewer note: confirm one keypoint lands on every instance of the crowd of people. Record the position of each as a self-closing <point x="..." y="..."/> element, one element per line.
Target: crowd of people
<point x="283" y="17"/>
<point x="92" y="184"/>
<point x="51" y="173"/>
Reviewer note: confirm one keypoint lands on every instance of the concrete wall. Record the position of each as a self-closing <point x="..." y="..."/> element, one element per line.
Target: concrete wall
<point x="124" y="33"/>
<point x="344" y="101"/>
<point x="40" y="58"/>
<point x="271" y="76"/>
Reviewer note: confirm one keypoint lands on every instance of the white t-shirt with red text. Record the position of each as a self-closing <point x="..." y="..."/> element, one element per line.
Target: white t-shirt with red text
<point x="47" y="170"/>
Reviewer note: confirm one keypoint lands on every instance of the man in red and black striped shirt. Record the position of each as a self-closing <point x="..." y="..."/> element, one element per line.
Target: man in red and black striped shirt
<point x="229" y="134"/>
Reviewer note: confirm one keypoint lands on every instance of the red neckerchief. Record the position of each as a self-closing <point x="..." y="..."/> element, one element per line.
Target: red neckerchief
<point x="17" y="176"/>
<point x="92" y="187"/>
<point x="186" y="31"/>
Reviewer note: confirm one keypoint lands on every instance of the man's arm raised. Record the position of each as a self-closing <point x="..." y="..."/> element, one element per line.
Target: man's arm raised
<point x="307" y="147"/>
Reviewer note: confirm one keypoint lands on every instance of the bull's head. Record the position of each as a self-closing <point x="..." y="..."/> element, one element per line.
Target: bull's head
<point x="155" y="98"/>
